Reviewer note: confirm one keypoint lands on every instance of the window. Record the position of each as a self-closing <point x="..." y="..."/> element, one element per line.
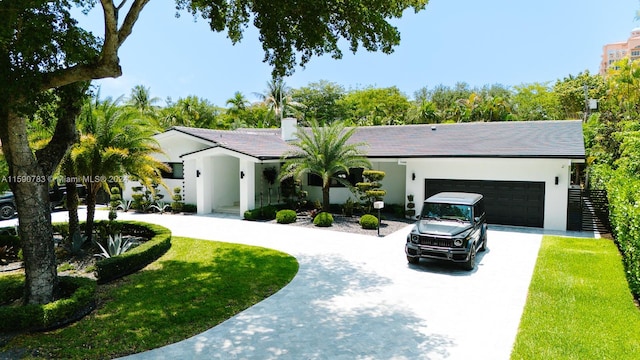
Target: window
<point x="354" y="177"/>
<point x="177" y="171"/>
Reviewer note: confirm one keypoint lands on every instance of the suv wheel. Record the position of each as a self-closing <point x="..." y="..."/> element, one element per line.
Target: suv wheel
<point x="484" y="242"/>
<point x="7" y="211"/>
<point x="471" y="263"/>
<point x="413" y="260"/>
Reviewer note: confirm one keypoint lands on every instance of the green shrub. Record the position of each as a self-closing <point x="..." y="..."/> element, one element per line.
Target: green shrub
<point x="286" y="216"/>
<point x="177" y="204"/>
<point x="323" y="219"/>
<point x="624" y="209"/>
<point x="190" y="208"/>
<point x="79" y="301"/>
<point x="369" y="222"/>
<point x="138" y="257"/>
<point x="264" y="213"/>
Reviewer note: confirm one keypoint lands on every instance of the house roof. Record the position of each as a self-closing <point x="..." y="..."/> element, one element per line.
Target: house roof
<point x="526" y="139"/>
<point x="539" y="139"/>
<point x="258" y="143"/>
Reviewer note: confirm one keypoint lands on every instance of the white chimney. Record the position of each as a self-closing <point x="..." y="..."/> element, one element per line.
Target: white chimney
<point x="289" y="127"/>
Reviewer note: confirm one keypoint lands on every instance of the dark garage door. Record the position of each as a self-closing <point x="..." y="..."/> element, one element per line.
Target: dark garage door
<point x="519" y="203"/>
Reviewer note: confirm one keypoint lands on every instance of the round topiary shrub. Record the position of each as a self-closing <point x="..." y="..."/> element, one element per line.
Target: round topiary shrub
<point x="369" y="222"/>
<point x="286" y="216"/>
<point x="323" y="219"/>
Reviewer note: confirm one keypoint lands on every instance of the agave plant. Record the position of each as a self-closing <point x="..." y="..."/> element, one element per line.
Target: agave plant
<point x="124" y="205"/>
<point x="160" y="206"/>
<point x="77" y="240"/>
<point x="115" y="246"/>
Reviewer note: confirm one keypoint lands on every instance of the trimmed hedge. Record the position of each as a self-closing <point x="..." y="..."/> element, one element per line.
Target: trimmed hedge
<point x="80" y="300"/>
<point x="369" y="222"/>
<point x="286" y="216"/>
<point x="624" y="214"/>
<point x="264" y="213"/>
<point x="323" y="219"/>
<point x="137" y="258"/>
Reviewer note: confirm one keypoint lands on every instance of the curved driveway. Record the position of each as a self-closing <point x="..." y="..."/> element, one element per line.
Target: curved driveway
<point x="355" y="297"/>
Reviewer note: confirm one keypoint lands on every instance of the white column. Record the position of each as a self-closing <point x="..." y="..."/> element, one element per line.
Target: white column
<point x="247" y="185"/>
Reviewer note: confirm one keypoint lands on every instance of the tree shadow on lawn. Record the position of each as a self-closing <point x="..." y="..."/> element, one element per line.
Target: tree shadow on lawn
<point x="166" y="302"/>
<point x="332" y="309"/>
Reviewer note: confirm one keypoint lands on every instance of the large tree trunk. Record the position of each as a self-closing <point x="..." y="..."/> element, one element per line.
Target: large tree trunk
<point x="29" y="173"/>
<point x="29" y="176"/>
<point x="30" y="185"/>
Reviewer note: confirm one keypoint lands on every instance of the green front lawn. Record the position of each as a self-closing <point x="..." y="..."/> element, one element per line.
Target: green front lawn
<point x="579" y="305"/>
<point x="196" y="285"/>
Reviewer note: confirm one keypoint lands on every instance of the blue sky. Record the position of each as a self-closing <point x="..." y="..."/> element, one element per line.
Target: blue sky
<point x="509" y="42"/>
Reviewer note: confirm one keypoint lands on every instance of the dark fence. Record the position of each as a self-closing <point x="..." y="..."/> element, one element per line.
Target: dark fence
<point x="588" y="210"/>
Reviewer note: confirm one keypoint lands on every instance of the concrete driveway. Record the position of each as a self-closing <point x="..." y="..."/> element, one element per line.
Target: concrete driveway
<point x="356" y="297"/>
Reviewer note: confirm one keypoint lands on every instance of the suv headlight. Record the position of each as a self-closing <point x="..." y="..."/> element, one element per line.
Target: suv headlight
<point x="415" y="238"/>
<point x="457" y="242"/>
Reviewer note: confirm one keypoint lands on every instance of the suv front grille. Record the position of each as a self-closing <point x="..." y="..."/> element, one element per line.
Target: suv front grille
<point x="433" y="241"/>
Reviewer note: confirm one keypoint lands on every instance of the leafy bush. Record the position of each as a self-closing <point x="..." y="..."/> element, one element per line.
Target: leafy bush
<point x="138" y="257"/>
<point x="323" y="219"/>
<point x="369" y="222"/>
<point x="624" y="210"/>
<point x="191" y="208"/>
<point x="624" y="214"/>
<point x="264" y="213"/>
<point x="80" y="300"/>
<point x="286" y="216"/>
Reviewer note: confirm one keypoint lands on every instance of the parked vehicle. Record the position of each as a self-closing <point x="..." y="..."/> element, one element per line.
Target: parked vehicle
<point x="57" y="197"/>
<point x="452" y="226"/>
<point x="7" y="206"/>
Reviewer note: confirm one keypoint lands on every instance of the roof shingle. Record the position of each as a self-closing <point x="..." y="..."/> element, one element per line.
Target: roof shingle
<point x="531" y="139"/>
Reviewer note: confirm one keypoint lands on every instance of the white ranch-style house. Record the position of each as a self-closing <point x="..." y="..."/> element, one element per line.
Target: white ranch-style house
<point x="524" y="169"/>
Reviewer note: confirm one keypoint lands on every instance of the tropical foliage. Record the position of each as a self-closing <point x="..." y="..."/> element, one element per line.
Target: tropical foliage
<point x="324" y="151"/>
<point x="612" y="138"/>
<point x="115" y="142"/>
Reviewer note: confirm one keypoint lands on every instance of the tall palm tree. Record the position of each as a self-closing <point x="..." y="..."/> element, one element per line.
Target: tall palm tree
<point x="325" y="152"/>
<point x="141" y="100"/>
<point x="238" y="103"/>
<point x="115" y="142"/>
<point x="278" y="99"/>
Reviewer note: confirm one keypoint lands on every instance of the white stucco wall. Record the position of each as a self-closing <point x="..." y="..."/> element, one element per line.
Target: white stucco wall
<point x="174" y="144"/>
<point x="540" y="170"/>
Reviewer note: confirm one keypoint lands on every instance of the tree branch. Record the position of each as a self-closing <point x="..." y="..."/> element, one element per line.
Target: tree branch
<point x="107" y="64"/>
<point x="130" y="20"/>
<point x="71" y="98"/>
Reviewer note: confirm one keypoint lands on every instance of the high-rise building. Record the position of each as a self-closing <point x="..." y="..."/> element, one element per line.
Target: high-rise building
<point x="617" y="51"/>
